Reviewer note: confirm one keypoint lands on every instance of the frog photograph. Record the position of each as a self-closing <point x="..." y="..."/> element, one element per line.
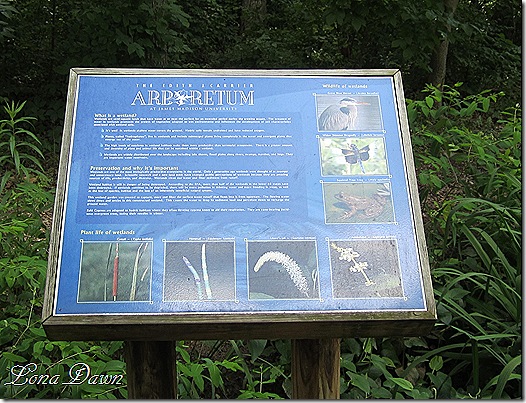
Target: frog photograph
<point x="358" y="203"/>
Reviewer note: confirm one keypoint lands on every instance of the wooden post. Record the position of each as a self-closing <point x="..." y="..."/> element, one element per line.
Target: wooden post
<point x="151" y="369"/>
<point x="316" y="369"/>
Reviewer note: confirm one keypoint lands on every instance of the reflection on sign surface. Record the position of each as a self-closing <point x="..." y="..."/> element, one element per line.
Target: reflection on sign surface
<point x="227" y="193"/>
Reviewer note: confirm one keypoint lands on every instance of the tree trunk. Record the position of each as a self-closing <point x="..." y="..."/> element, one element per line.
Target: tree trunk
<point x="439" y="56"/>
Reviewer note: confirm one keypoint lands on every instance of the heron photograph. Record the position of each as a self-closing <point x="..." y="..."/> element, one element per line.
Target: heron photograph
<point x="353" y="156"/>
<point x="338" y="113"/>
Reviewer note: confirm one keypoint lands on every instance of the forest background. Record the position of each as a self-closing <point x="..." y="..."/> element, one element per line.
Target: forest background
<point x="461" y="65"/>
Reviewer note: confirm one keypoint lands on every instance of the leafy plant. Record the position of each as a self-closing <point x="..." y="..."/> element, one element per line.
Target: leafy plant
<point x="470" y="181"/>
<point x="18" y="145"/>
<point x="6" y="13"/>
<point x="24" y="240"/>
<point x="250" y="375"/>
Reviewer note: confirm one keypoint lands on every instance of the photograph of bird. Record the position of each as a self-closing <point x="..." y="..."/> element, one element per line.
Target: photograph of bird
<point x="341" y="116"/>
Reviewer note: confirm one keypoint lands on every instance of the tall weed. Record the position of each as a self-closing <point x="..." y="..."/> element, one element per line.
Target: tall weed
<point x="24" y="241"/>
<point x="19" y="146"/>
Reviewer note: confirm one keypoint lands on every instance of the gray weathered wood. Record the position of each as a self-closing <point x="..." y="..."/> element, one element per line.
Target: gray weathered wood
<point x="316" y="369"/>
<point x="60" y="196"/>
<point x="245" y="325"/>
<point x="414" y="198"/>
<point x="223" y="326"/>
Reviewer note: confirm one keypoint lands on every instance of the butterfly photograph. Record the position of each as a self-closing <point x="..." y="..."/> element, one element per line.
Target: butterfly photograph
<point x="353" y="156"/>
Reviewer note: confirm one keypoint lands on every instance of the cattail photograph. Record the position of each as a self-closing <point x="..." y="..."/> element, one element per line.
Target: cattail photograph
<point x="282" y="270"/>
<point x="199" y="271"/>
<point x="115" y="271"/>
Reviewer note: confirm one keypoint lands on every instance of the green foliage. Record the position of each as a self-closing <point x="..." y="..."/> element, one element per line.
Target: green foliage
<point x="255" y="377"/>
<point x="47" y="39"/>
<point x="19" y="147"/>
<point x="470" y="174"/>
<point x="52" y="37"/>
<point x="490" y="56"/>
<point x="141" y="32"/>
<point x="369" y="375"/>
<point x="6" y="13"/>
<point x="24" y="241"/>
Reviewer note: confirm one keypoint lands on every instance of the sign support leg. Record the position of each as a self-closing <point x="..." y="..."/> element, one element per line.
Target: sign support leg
<point x="316" y="369"/>
<point x="151" y="369"/>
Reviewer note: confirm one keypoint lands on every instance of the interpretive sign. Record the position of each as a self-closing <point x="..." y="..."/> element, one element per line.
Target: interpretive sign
<point x="228" y="203"/>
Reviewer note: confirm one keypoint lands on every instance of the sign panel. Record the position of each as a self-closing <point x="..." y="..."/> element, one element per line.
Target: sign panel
<point x="262" y="202"/>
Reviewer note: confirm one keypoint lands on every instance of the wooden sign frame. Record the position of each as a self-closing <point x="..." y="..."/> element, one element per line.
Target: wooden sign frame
<point x="333" y="195"/>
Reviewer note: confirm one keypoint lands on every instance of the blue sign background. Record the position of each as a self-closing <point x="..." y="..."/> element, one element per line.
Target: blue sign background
<point x="226" y="161"/>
